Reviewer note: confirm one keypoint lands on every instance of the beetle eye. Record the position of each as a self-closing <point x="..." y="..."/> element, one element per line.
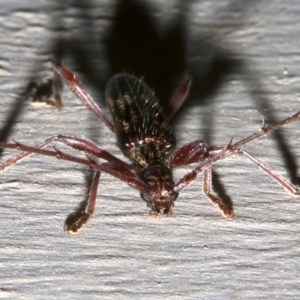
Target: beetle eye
<point x="146" y="197"/>
<point x="174" y="195"/>
<point x="150" y="183"/>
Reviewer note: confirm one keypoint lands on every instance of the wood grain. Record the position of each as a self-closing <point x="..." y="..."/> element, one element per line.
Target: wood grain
<point x="123" y="253"/>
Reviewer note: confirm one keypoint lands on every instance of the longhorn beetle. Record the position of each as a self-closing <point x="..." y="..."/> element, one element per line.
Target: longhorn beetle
<point x="145" y="136"/>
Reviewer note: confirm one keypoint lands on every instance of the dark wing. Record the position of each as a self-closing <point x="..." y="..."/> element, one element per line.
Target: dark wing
<point x="137" y="115"/>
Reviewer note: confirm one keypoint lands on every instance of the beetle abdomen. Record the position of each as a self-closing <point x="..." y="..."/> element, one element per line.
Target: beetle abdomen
<point x="138" y="117"/>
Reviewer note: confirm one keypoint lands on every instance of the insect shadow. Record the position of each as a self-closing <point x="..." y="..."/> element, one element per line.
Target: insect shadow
<point x="133" y="44"/>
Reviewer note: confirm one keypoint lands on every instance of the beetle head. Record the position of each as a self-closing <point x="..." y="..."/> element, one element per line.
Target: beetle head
<point x="161" y="195"/>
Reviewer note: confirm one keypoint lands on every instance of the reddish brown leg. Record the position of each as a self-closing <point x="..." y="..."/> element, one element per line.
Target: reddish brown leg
<point x="189" y="153"/>
<point x="78" y="89"/>
<point x="196" y="151"/>
<point x="288" y="186"/>
<point x="230" y="149"/>
<point x="90" y="148"/>
<point x="80" y="144"/>
<point x="228" y="212"/>
<point x="75" y="220"/>
<point x="112" y="168"/>
<point x="207" y="190"/>
<point x="178" y="97"/>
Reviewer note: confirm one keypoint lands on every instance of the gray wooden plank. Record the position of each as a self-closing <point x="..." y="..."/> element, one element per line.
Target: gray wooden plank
<point x="123" y="252"/>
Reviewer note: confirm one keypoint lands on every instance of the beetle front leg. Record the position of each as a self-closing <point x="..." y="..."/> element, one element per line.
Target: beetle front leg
<point x="195" y="151"/>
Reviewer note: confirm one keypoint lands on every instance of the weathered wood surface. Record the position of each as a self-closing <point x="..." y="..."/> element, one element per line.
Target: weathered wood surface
<point x="123" y="252"/>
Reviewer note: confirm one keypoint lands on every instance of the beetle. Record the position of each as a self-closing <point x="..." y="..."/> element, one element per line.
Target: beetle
<point x="144" y="135"/>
